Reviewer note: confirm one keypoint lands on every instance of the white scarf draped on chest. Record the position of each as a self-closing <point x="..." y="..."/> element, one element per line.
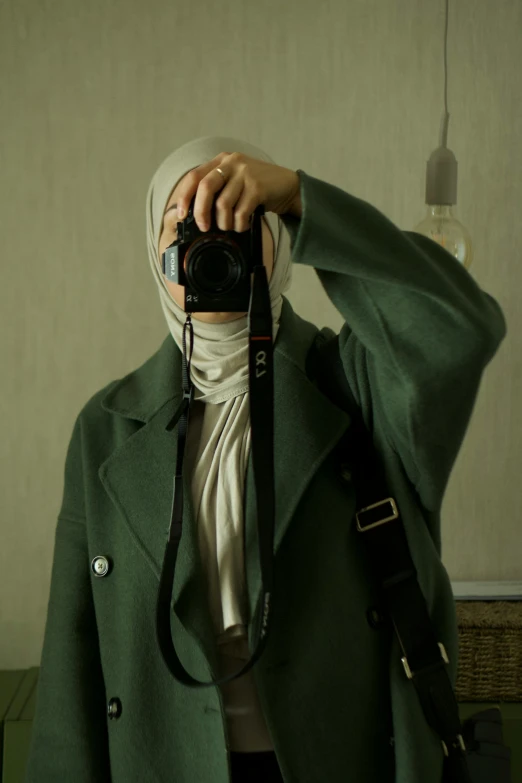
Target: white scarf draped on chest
<point x="219" y="371"/>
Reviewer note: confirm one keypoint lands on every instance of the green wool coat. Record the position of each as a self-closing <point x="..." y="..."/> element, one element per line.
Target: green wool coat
<point x="418" y="333"/>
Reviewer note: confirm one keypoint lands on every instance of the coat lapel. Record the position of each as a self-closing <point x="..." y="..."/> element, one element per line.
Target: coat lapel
<point x="138" y="475"/>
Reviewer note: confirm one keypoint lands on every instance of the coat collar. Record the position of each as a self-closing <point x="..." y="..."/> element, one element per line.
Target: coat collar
<point x="138" y="474"/>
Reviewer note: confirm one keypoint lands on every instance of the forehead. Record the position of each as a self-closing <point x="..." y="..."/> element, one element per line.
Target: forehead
<point x="173" y="197"/>
<point x="174" y="194"/>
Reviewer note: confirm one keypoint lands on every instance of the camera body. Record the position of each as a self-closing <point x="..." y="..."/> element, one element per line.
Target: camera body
<point x="215" y="266"/>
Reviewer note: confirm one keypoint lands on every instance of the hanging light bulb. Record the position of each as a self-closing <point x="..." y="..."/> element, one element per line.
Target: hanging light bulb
<point x="440" y="224"/>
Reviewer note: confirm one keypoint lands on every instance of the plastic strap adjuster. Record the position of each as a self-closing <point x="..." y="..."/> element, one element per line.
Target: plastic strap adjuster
<point x="392" y="513"/>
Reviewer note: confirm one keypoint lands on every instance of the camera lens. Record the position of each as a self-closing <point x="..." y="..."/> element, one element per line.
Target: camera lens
<point x="214" y="271"/>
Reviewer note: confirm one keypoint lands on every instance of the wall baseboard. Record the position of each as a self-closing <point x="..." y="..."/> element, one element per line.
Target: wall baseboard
<point x="487" y="591"/>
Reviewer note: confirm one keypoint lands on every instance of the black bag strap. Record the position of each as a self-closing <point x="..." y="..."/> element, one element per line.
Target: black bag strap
<point x="378" y="521"/>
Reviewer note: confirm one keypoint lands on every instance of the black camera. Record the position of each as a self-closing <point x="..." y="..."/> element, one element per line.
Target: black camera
<point x="215" y="266"/>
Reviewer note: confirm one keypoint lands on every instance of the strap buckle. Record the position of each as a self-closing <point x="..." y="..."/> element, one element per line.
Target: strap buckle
<point x="393" y="512"/>
<point x="410" y="674"/>
<point x="460" y="742"/>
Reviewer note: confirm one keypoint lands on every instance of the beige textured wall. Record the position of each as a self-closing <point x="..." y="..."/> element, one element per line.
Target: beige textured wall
<point x="94" y="94"/>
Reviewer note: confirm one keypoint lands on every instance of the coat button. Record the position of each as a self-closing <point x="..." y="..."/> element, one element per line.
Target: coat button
<point x="346" y="474"/>
<point x="375" y="617"/>
<point x="100" y="566"/>
<point x="114" y="709"/>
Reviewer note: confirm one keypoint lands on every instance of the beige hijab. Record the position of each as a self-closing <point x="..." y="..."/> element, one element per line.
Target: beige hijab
<point x="219" y="371"/>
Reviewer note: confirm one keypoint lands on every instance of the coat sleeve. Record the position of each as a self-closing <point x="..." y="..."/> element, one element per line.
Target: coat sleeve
<point x="418" y="330"/>
<point x="69" y="741"/>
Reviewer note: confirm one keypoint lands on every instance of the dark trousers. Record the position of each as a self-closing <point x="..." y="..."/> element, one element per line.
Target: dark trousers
<point x="260" y="767"/>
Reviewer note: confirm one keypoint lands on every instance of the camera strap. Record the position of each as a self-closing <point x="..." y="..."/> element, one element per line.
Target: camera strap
<point x="261" y="380"/>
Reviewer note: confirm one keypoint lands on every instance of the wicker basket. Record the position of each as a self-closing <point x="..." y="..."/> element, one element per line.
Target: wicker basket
<point x="490" y="651"/>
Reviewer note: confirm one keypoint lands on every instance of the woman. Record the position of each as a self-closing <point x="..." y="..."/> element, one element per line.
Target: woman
<point x="328" y="699"/>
